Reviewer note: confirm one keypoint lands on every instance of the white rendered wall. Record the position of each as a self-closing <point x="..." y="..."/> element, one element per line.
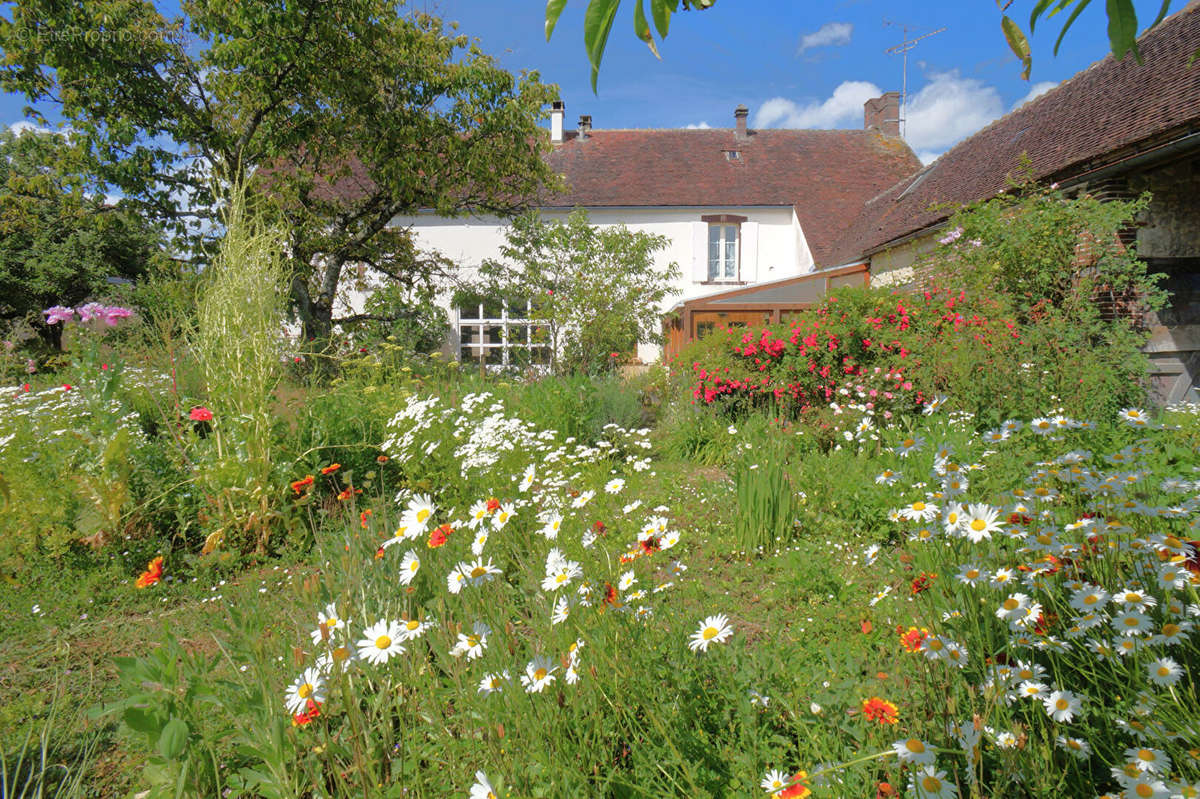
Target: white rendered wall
<point x="773" y="246"/>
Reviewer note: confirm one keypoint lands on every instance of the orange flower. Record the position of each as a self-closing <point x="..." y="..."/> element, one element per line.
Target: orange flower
<point x="922" y="582"/>
<point x="382" y="459"/>
<point x="439" y="536"/>
<point x="797" y="790"/>
<point x="913" y="639"/>
<point x="885" y="790"/>
<point x="866" y="626"/>
<point x="300" y="485"/>
<point x="493" y="504"/>
<point x="379" y="554"/>
<point x="152" y="574"/>
<point x="362" y="518"/>
<point x="348" y="492"/>
<point x="313" y="711"/>
<point x="331" y="468"/>
<point x="880" y="710"/>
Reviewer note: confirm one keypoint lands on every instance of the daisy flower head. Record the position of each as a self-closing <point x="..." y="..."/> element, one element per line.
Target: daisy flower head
<point x="1134" y="417"/>
<point x="502" y="516"/>
<point x="1042" y="426"/>
<point x="308" y="686"/>
<point x="583" y="499"/>
<point x="969" y="574"/>
<point x="561" y="611"/>
<point x="482" y="789"/>
<point x="1164" y="671"/>
<point x="1133" y="599"/>
<point x="479" y="542"/>
<point x="929" y="783"/>
<point x="909" y="445"/>
<point x="552" y="526"/>
<point x="1149" y="760"/>
<point x="1013" y="607"/>
<point x="887" y="477"/>
<point x="879" y="596"/>
<point x="455" y="580"/>
<point x="914" y="750"/>
<point x="614" y="486"/>
<point x="774" y="780"/>
<point x="492" y="682"/>
<point x="539" y="673"/>
<point x="919" y="511"/>
<point x="627" y="580"/>
<point x="420" y="509"/>
<point x="880" y="710"/>
<point x="479" y="572"/>
<point x="1001" y="577"/>
<point x="410" y="564"/>
<point x="527" y="479"/>
<point x="980" y="522"/>
<point x="1077" y="747"/>
<point x="1089" y="598"/>
<point x="331" y="620"/>
<point x="714" y="629"/>
<point x="473" y="644"/>
<point x="1132" y="622"/>
<point x="1062" y="705"/>
<point x="381" y="641"/>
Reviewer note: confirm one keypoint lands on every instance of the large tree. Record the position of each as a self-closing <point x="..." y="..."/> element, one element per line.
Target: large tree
<point x="61" y="241"/>
<point x="355" y="113"/>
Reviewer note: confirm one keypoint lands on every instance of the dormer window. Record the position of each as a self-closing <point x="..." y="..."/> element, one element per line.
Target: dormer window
<point x="732" y="155"/>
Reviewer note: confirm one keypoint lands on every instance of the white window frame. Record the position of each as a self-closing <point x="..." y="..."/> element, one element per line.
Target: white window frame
<point x="728" y="270"/>
<point x="516" y="333"/>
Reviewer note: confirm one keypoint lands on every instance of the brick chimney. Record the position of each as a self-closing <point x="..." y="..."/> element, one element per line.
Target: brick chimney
<point x="883" y="114"/>
<point x="558" y="110"/>
<point x="585" y="125"/>
<point x="739" y="114"/>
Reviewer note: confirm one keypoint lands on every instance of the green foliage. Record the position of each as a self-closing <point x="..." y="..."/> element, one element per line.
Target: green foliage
<point x="767" y="501"/>
<point x="261" y="88"/>
<point x="61" y="243"/>
<point x="597" y="290"/>
<point x="34" y="770"/>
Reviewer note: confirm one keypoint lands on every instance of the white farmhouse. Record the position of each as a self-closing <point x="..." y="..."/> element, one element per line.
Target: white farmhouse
<point x="739" y="207"/>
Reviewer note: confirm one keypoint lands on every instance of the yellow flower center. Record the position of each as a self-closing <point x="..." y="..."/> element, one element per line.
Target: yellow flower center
<point x="1146" y="755"/>
<point x="1132" y="597"/>
<point x="1142" y="789"/>
<point x="1062" y="704"/>
<point x="931" y="783"/>
<point x="914" y="746"/>
<point x="978" y="524"/>
<point x="1043" y="425"/>
<point x="304" y="691"/>
<point x="423" y="514"/>
<point x="1011" y="604"/>
<point x="478" y="571"/>
<point x="413" y="624"/>
<point x="383" y="642"/>
<point x="416" y="564"/>
<point x="1091" y="599"/>
<point x="918" y="506"/>
<point x="1044" y="539"/>
<point x="560" y="578"/>
<point x="340" y="653"/>
<point x="908" y="442"/>
<point x="1131" y="621"/>
<point x="710" y="633"/>
<point x="934" y="644"/>
<point x="472" y="641"/>
<point x="540" y="674"/>
<point x="972" y="573"/>
<point x="1170" y="628"/>
<point x="1163" y="671"/>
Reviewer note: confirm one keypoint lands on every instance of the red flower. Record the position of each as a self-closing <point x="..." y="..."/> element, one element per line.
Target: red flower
<point x="439" y="536"/>
<point x="880" y="710"/>
<point x="313" y="711"/>
<point x="66" y="386"/>
<point x="299" y="485"/>
<point x="493" y="504"/>
<point x="599" y="528"/>
<point x="331" y="468"/>
<point x="797" y="790"/>
<point x="153" y="573"/>
<point x="610" y="594"/>
<point x="922" y="582"/>
<point x="362" y="518"/>
<point x="649" y="545"/>
<point x="200" y="414"/>
<point x="913" y="639"/>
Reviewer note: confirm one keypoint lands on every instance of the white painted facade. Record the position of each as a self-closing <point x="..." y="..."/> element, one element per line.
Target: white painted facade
<point x="772" y="246"/>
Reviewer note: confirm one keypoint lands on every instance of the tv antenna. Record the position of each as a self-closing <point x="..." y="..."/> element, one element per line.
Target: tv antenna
<point x="903" y="49"/>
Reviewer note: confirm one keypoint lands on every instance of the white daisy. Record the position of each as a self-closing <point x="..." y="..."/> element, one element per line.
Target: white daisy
<point x="472" y="644"/>
<point x="539" y="673"/>
<point x="713" y="628"/>
<point x="914" y="750"/>
<point x="410" y="564"/>
<point x="381" y="641"/>
<point x="309" y="685"/>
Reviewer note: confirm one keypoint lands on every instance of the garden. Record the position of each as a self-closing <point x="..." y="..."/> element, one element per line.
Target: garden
<point x="922" y="544"/>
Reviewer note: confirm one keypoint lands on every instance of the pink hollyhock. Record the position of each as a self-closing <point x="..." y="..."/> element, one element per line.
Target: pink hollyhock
<point x="200" y="414"/>
<point x="58" y="314"/>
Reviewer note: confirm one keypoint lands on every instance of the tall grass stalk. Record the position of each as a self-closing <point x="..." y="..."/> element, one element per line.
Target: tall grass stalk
<point x="767" y="503"/>
<point x="35" y="772"/>
<point x="237" y="341"/>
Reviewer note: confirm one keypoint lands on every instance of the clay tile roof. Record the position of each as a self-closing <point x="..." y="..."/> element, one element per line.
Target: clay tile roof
<point x="1095" y="118"/>
<point x="826" y="175"/>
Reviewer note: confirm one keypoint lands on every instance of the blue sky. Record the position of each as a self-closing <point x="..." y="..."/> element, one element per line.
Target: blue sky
<point x="793" y="63"/>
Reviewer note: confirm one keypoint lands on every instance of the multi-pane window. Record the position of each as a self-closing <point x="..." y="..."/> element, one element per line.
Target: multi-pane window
<point x="500" y="333"/>
<point x="722" y="252"/>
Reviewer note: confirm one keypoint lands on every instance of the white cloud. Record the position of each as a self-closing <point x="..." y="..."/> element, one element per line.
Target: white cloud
<point x="25" y="126"/>
<point x="843" y="109"/>
<point x="698" y="126"/>
<point x="1035" y="91"/>
<point x="948" y="109"/>
<point x="830" y="34"/>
